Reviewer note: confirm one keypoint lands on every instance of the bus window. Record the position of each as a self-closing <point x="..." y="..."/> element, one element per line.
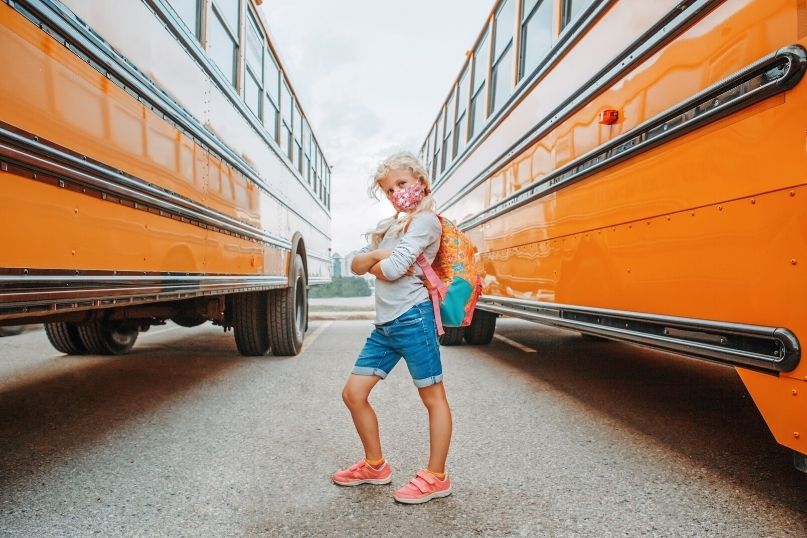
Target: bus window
<point x="436" y="147"/>
<point x="272" y="81"/>
<point x="253" y="83"/>
<point x="460" y="136"/>
<point x="188" y="11"/>
<point x="306" y="151"/>
<point x="294" y="144"/>
<point x="286" y="142"/>
<point x="478" y="87"/>
<point x="223" y="39"/>
<point x="536" y="33"/>
<point x="448" y="125"/>
<point x="297" y="120"/>
<point x="502" y="73"/>
<point x="571" y="9"/>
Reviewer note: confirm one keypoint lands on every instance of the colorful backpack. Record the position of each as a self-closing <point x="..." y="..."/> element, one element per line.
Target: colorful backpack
<point x="453" y="279"/>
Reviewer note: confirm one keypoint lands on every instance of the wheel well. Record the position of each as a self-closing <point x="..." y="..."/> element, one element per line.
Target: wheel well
<point x="297" y="247"/>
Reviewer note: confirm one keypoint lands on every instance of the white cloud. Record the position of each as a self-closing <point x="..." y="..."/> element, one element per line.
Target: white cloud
<point x="370" y="75"/>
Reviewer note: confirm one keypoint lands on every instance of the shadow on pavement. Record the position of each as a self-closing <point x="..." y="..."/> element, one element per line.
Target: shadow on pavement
<point x="699" y="409"/>
<point x="47" y="417"/>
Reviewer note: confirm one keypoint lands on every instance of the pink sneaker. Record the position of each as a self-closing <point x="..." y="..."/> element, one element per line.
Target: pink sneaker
<point x="424" y="487"/>
<point x="362" y="473"/>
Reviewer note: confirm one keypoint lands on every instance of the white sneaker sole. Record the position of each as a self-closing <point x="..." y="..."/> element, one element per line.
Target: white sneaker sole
<point x="427" y="498"/>
<point x="375" y="481"/>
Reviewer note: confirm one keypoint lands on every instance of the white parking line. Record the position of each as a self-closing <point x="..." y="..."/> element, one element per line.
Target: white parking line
<point x="515" y="344"/>
<point x="310" y="339"/>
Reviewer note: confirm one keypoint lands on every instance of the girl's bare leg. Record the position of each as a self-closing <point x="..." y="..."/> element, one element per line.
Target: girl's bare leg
<point x="355" y="394"/>
<point x="434" y="398"/>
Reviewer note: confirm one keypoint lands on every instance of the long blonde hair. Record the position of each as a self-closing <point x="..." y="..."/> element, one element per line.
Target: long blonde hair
<point x="395" y="223"/>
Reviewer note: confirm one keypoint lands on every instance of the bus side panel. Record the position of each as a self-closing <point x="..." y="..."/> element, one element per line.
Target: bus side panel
<point x="171" y="66"/>
<point x="707" y="226"/>
<point x="52" y="93"/>
<point x="53" y="228"/>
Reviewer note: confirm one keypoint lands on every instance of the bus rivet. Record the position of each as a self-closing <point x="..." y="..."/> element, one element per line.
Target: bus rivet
<point x="753" y="201"/>
<point x="720" y="208"/>
<point x="793" y="261"/>
<point x="792" y="193"/>
<point x="796" y="435"/>
<point x="72" y="252"/>
<point x="794" y="392"/>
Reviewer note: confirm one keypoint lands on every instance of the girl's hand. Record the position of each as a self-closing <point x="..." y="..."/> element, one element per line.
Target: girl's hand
<point x="375" y="270"/>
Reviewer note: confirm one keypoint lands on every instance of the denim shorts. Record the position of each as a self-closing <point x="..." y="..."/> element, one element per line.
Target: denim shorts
<point x="413" y="336"/>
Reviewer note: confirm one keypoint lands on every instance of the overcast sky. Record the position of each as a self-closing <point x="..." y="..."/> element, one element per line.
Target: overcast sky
<point x="371" y="76"/>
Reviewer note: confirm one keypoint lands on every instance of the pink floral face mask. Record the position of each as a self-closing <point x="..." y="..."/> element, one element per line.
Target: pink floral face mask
<point x="407" y="199"/>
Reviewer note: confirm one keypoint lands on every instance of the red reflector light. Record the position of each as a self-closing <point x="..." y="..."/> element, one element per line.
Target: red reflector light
<point x="609" y="116"/>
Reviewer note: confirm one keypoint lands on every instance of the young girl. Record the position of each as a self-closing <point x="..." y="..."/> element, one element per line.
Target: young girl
<point x="404" y="327"/>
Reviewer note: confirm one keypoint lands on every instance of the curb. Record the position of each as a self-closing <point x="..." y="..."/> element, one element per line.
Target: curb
<point x="367" y="314"/>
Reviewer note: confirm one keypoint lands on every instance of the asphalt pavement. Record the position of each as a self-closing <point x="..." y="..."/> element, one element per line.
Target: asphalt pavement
<point x="555" y="435"/>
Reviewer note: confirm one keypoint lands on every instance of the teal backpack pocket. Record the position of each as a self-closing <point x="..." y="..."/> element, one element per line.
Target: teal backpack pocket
<point x="452" y="306"/>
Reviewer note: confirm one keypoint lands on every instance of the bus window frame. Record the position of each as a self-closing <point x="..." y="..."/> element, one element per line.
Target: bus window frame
<point x="497" y="61"/>
<point x="217" y="12"/>
<point x="483" y="89"/>
<point x="251" y="23"/>
<point x="274" y="103"/>
<point x="521" y="68"/>
<point x="565" y="17"/>
<point x="197" y="31"/>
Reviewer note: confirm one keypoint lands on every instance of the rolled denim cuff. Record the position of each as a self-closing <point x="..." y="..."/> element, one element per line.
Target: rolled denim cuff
<point x="428" y="381"/>
<point x="366" y="370"/>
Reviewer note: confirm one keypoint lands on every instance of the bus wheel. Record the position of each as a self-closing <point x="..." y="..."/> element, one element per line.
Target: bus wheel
<point x="250" y="323"/>
<point x="288" y="312"/>
<point x="452" y="336"/>
<point x="104" y="338"/>
<point x="65" y="338"/>
<point x="480" y="331"/>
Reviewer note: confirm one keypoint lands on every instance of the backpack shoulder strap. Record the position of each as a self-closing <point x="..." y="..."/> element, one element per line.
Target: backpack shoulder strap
<point x="432" y="278"/>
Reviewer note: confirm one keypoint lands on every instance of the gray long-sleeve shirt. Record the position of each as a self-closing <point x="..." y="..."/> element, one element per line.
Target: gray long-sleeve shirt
<point x="404" y="291"/>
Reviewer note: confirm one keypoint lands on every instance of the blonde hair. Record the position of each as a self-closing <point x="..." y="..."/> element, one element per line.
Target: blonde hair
<point x="396" y="224"/>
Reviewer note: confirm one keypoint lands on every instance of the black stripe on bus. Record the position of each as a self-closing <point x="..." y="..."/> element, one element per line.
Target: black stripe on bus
<point x="63" y="26"/>
<point x="766" y="349"/>
<point x="32" y="292"/>
<point x="774" y="74"/>
<point x="28" y="155"/>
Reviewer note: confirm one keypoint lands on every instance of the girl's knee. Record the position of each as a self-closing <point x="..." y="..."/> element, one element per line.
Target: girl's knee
<point x="352" y="397"/>
<point x="435" y="398"/>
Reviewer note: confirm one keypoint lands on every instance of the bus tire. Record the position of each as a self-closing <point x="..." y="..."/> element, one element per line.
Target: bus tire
<point x="288" y="312"/>
<point x="65" y="338"/>
<point x="250" y="323"/>
<point x="103" y="338"/>
<point x="452" y="336"/>
<point x="480" y="331"/>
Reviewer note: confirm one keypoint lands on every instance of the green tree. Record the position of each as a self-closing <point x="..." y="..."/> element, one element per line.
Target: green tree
<point x="350" y="286"/>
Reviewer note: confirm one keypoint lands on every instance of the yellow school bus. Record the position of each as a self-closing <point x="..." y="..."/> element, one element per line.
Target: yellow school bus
<point x="155" y="164"/>
<point x="637" y="171"/>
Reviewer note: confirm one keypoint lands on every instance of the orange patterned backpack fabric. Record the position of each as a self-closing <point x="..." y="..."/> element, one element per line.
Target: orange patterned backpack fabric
<point x="454" y="279"/>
